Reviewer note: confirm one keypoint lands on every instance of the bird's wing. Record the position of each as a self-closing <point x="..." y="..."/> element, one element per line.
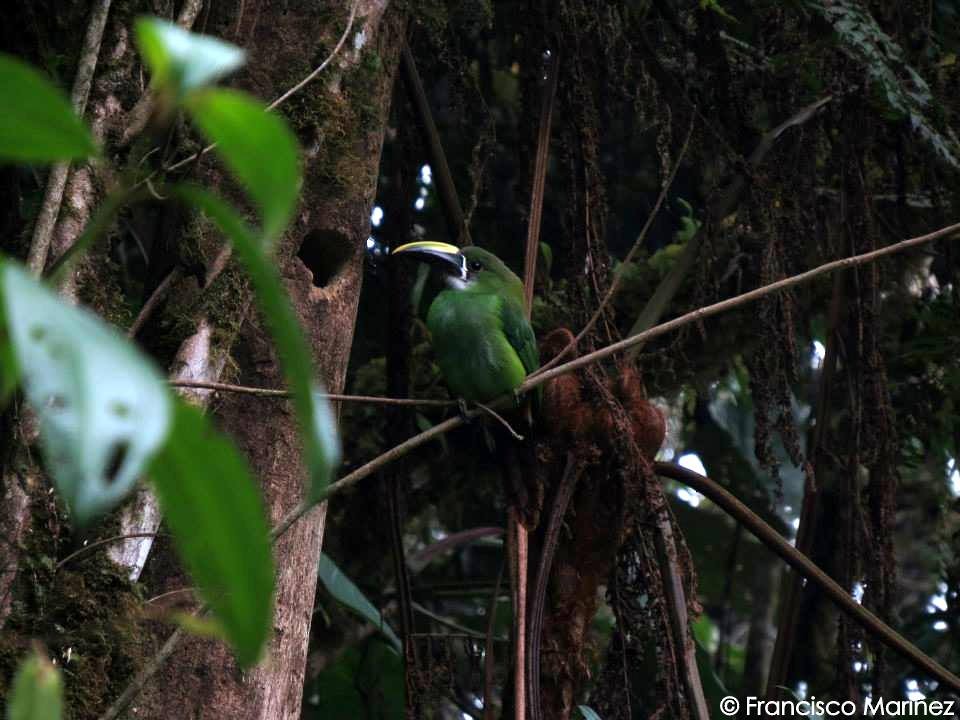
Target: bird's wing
<point x="519" y="334"/>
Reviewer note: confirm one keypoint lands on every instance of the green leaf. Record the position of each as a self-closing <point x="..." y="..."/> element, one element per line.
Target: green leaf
<point x="104" y="410"/>
<point x="181" y="61"/>
<point x="9" y="372"/>
<point x="345" y="592"/>
<point x="37" y="123"/>
<point x="588" y="713"/>
<point x="216" y="516"/>
<point x="257" y="146"/>
<point x="37" y="691"/>
<point x="321" y="443"/>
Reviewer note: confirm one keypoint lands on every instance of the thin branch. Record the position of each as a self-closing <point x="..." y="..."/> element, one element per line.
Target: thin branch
<point x="539" y="181"/>
<point x="322" y="66"/>
<point x="169" y="593"/>
<point x="565" y="489"/>
<point x="618" y="277"/>
<point x="136" y="685"/>
<point x="452" y="541"/>
<point x="270" y="392"/>
<point x="153" y="302"/>
<point x="105" y="541"/>
<point x="446" y="189"/>
<point x="736" y="301"/>
<point x="677" y="613"/>
<point x="500" y="419"/>
<point x="57" y="179"/>
<point x="451" y="624"/>
<point x="803" y="565"/>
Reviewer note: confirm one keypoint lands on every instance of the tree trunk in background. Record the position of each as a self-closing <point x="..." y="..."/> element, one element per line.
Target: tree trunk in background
<point x="340" y="120"/>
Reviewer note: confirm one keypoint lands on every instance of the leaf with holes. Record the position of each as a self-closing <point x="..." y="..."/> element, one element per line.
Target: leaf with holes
<point x="317" y="423"/>
<point x="257" y="146"/>
<point x="216" y="515"/>
<point x="104" y="409"/>
<point x="180" y="61"/>
<point x="37" y="123"/>
<point x="345" y="592"/>
<point x="37" y="691"/>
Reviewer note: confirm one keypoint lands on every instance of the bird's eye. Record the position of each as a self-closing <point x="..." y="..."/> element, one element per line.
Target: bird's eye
<point x="475" y="265"/>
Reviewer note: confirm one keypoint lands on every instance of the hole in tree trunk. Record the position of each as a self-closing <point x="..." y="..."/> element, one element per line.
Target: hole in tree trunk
<point x="324" y="252"/>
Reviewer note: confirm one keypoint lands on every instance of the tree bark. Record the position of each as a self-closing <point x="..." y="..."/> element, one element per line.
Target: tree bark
<point x="340" y="120"/>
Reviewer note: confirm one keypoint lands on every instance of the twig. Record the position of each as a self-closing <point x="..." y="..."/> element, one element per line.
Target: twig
<point x="499" y="418"/>
<point x="677" y="614"/>
<point x="539" y="182"/>
<point x="568" y="483"/>
<point x="285" y="96"/>
<point x="448" y="623"/>
<point x="105" y="541"/>
<point x="156" y="297"/>
<point x="271" y="392"/>
<point x="136" y="685"/>
<point x="322" y="66"/>
<point x="450" y="542"/>
<point x="178" y="591"/>
<point x="618" y="277"/>
<point x="57" y="180"/>
<point x="803" y="565"/>
<point x="446" y="189"/>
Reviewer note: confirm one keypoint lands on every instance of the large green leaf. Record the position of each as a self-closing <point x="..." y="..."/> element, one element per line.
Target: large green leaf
<point x="37" y="691"/>
<point x="180" y="61"/>
<point x="321" y="444"/>
<point x="104" y="409"/>
<point x="37" y="123"/>
<point x="344" y="591"/>
<point x="216" y="515"/>
<point x="257" y="146"/>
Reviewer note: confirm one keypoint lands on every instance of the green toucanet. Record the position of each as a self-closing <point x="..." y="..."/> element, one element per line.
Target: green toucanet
<point x="480" y="334"/>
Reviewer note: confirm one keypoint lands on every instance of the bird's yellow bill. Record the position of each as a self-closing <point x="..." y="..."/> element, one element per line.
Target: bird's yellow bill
<point x="429" y="246"/>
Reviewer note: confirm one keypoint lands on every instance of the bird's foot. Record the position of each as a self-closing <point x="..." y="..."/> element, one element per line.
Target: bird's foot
<point x="518" y="395"/>
<point x="464" y="411"/>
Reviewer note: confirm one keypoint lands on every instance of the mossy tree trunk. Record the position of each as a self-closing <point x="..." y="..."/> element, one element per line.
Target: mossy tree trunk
<point x="208" y="326"/>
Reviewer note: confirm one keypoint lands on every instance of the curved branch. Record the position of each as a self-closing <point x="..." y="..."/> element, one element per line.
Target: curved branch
<point x="804" y="566"/>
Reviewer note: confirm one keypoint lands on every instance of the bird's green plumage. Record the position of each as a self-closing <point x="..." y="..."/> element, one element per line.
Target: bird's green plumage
<point x="482" y="339"/>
